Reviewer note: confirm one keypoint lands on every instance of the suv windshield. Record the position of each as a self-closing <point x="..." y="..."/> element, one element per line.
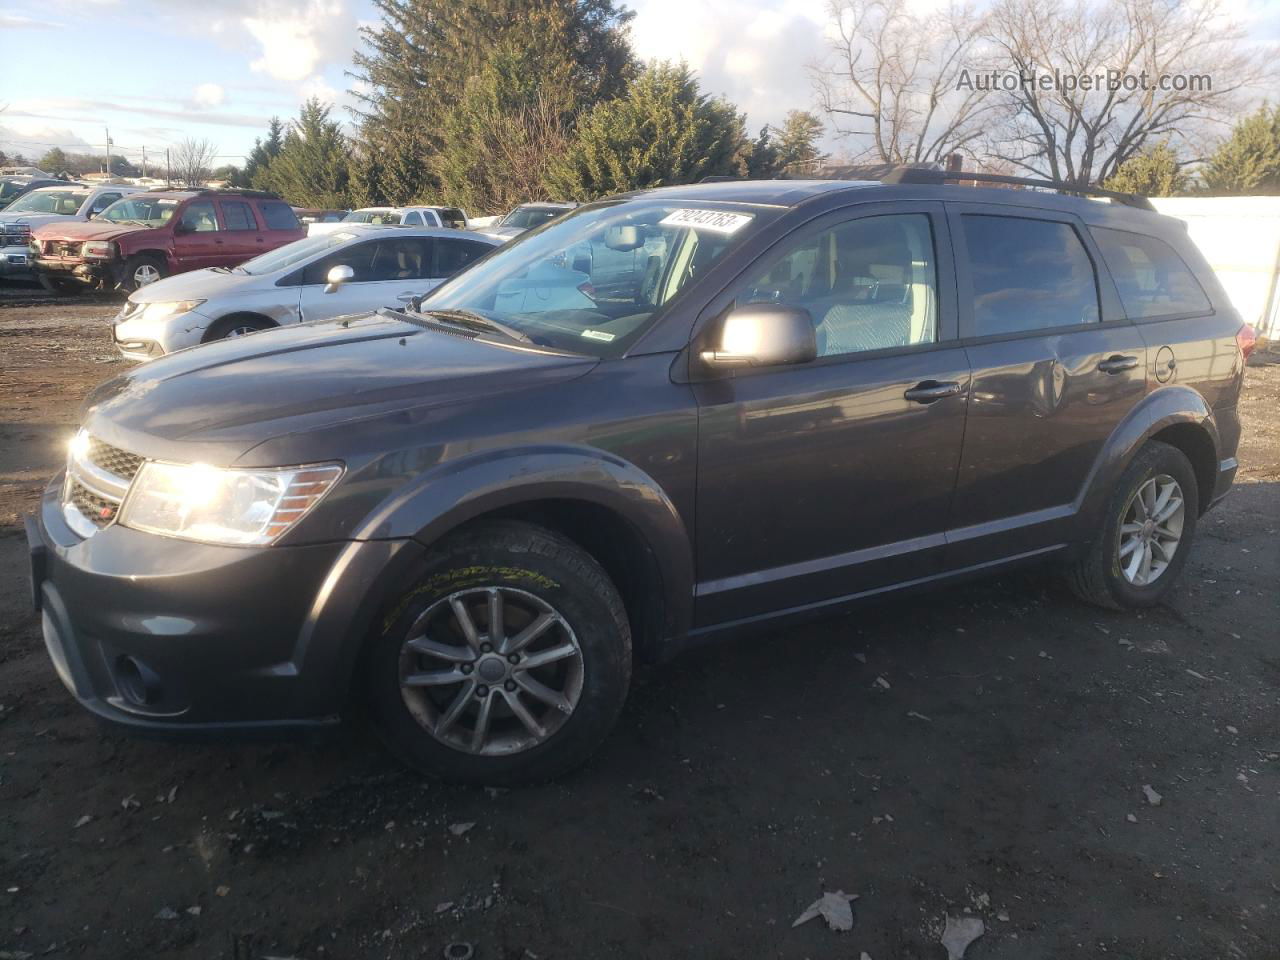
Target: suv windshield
<point x="293" y="253"/>
<point x="527" y="218"/>
<point x="371" y="216"/>
<point x="148" y="211"/>
<point x="64" y="202"/>
<point x="593" y="282"/>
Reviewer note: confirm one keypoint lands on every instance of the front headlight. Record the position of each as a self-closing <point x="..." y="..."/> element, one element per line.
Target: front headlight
<point x="162" y="311"/>
<point x="98" y="250"/>
<point x="224" y="505"/>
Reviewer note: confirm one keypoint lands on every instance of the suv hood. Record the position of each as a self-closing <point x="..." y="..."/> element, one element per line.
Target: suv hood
<point x="67" y="229"/>
<point x="216" y="401"/>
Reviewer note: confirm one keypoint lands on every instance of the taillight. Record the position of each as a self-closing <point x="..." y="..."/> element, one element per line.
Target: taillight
<point x="1246" y="340"/>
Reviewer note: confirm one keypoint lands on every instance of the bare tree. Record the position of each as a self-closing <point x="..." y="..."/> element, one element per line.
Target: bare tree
<point x="1099" y="81"/>
<point x="890" y="80"/>
<point x="191" y="160"/>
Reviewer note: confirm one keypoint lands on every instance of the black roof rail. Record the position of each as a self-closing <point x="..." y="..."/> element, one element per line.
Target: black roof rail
<point x="919" y="175"/>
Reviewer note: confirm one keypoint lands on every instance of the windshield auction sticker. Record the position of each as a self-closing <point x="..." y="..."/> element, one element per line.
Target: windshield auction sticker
<point x="717" y="221"/>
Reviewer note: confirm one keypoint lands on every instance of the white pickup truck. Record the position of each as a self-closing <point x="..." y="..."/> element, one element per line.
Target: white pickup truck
<point x="72" y="201"/>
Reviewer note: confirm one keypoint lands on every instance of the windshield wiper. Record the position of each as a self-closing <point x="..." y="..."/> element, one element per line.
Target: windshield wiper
<point x="476" y="321"/>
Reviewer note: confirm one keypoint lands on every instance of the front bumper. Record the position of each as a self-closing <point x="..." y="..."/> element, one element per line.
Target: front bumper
<point x="15" y="261"/>
<point x="138" y="338"/>
<point x="88" y="272"/>
<point x="174" y="637"/>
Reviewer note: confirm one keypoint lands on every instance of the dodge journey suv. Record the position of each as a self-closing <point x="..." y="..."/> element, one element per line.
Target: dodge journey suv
<point x="769" y="400"/>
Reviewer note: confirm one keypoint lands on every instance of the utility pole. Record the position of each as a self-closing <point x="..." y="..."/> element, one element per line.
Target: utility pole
<point x="144" y="162"/>
<point x="168" y="177"/>
<point x="107" y="163"/>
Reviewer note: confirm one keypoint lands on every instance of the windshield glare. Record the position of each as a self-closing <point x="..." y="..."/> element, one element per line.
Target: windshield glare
<point x="64" y="202"/>
<point x="593" y="281"/>
<point x="527" y="218"/>
<point x="293" y="253"/>
<point x="151" y="211"/>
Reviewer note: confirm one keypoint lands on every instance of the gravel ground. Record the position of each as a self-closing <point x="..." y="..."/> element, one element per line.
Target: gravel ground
<point x="984" y="754"/>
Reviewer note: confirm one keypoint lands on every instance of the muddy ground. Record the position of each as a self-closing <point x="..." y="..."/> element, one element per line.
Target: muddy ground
<point x="998" y="771"/>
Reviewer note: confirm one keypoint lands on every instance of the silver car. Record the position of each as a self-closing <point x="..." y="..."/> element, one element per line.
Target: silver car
<point x="357" y="268"/>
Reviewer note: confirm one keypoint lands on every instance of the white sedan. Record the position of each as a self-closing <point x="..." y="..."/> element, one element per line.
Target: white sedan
<point x="357" y="268"/>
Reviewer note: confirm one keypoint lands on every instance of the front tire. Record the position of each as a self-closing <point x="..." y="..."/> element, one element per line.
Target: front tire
<point x="240" y="325"/>
<point x="141" y="270"/>
<point x="1147" y="532"/>
<point x="508" y="662"/>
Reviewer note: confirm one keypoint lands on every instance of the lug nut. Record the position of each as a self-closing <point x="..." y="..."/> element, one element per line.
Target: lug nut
<point x="466" y="668"/>
<point x="513" y="658"/>
<point x="482" y="692"/>
<point x="486" y="648"/>
<point x="510" y="686"/>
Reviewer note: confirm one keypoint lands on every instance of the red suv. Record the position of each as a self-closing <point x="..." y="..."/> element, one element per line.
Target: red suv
<point x="146" y="236"/>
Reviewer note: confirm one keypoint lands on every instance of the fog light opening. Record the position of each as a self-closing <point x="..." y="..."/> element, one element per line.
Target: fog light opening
<point x="137" y="682"/>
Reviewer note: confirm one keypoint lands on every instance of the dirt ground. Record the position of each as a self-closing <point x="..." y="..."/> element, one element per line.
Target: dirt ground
<point x="998" y="771"/>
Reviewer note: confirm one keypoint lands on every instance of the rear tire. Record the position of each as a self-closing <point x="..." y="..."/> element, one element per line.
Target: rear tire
<point x="141" y="270"/>
<point x="435" y="677"/>
<point x="1132" y="563"/>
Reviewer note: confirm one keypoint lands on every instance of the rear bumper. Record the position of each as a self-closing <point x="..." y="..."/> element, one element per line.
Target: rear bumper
<point x="173" y="638"/>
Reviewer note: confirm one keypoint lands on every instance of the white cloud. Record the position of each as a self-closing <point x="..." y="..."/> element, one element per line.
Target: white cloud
<point x="34" y="140"/>
<point x="755" y="53"/>
<point x="209" y="95"/>
<point x="298" y="39"/>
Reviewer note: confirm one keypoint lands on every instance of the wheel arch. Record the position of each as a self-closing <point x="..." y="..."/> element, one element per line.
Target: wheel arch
<point x="1176" y="415"/>
<point x="226" y="318"/>
<point x="607" y="505"/>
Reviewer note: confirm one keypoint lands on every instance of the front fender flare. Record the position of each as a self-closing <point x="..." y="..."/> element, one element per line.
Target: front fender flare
<point x="457" y="491"/>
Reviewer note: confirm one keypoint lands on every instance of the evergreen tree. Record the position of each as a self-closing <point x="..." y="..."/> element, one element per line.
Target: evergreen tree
<point x="419" y="60"/>
<point x="1248" y="160"/>
<point x="260" y="157"/>
<point x="313" y="166"/>
<point x="54" y="161"/>
<point x="662" y="131"/>
<point x="798" y="140"/>
<point x="497" y="143"/>
<point x="1153" y="173"/>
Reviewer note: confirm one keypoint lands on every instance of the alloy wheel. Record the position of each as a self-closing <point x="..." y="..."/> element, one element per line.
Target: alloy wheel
<point x="1151" y="530"/>
<point x="145" y="273"/>
<point x="491" y="671"/>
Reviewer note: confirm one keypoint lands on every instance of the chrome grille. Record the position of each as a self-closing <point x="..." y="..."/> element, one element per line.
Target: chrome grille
<point x="98" y="477"/>
<point x="113" y="460"/>
<point x="96" y="509"/>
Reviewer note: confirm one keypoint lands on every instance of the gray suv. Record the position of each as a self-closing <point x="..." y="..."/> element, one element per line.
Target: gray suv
<point x="665" y="417"/>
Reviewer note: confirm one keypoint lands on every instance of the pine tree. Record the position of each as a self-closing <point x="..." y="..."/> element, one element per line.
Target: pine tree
<point x="1153" y="173"/>
<point x="418" y="61"/>
<point x="798" y="140"/>
<point x="260" y="157"/>
<point x="1248" y="160"/>
<point x="662" y="131"/>
<point x="54" y="161"/>
<point x="313" y="167"/>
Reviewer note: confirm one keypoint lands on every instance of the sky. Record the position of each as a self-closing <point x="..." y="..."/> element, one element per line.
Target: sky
<point x="153" y="72"/>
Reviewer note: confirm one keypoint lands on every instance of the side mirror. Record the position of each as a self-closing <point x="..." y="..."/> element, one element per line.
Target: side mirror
<point x="763" y="335"/>
<point x="336" y="277"/>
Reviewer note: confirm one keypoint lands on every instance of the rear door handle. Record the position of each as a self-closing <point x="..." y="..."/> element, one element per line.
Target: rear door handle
<point x="927" y="391"/>
<point x="1118" y="364"/>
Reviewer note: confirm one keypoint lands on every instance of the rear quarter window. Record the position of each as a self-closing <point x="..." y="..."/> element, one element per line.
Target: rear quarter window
<point x="279" y="216"/>
<point x="1152" y="279"/>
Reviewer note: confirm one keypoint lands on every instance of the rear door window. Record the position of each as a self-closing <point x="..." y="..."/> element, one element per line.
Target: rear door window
<point x="1027" y="274"/>
<point x="1152" y="279"/>
<point x="279" y="216"/>
<point x="237" y="215"/>
<point x="199" y="217"/>
<point x="452" y="255"/>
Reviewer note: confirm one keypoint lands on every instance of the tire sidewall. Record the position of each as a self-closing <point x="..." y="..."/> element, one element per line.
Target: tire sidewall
<point x="603" y="636"/>
<point x="1156" y="459"/>
<point x="131" y="267"/>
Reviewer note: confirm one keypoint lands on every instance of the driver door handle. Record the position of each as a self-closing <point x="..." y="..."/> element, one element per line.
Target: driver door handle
<point x="1117" y="364"/>
<point x="927" y="391"/>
